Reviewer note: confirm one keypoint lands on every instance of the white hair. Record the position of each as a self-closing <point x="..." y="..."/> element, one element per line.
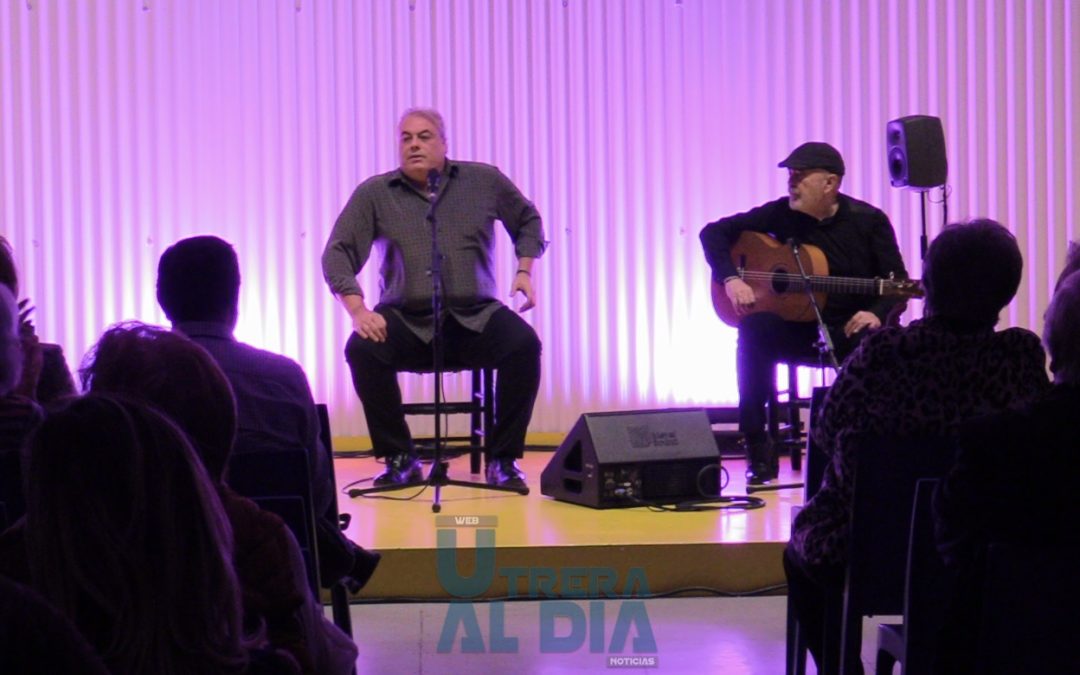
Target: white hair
<point x="430" y="114"/>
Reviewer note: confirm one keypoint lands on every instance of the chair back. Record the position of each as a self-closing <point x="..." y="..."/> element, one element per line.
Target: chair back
<point x="928" y="585"/>
<point x="816" y="459"/>
<point x="1030" y="611"/>
<point x="328" y="448"/>
<point x="339" y="596"/>
<point x="886" y="472"/>
<point x="278" y="481"/>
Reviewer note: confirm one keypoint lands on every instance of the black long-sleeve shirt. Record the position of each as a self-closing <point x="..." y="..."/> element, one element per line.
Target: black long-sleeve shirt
<point x="858" y="241"/>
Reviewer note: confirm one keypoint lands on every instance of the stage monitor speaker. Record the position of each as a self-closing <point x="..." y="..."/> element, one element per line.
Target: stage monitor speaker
<point x="916" y="152"/>
<point x="621" y="459"/>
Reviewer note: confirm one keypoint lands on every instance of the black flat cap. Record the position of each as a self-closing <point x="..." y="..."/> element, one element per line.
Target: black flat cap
<point x="815" y="155"/>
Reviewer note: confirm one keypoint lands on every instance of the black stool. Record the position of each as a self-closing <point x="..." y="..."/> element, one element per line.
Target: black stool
<point x="785" y="410"/>
<point x="480" y="408"/>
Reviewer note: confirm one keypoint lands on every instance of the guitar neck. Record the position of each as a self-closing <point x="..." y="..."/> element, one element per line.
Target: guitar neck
<point x="850" y="285"/>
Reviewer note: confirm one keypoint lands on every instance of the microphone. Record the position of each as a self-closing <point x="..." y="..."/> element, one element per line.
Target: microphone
<point x="433" y="183"/>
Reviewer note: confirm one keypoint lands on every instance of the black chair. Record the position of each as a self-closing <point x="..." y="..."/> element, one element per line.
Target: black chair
<point x="278" y="481"/>
<point x="481" y="409"/>
<point x="1030" y="612"/>
<point x="816" y="461"/>
<point x="927" y="591"/>
<point x="339" y="595"/>
<point x="886" y="474"/>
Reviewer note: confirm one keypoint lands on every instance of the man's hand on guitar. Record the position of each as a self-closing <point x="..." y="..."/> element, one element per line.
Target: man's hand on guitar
<point x="861" y="321"/>
<point x="740" y="294"/>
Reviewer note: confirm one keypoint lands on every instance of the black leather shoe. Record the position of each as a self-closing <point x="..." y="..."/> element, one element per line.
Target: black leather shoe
<point x="759" y="474"/>
<point x="400" y="469"/>
<point x="364" y="564"/>
<point x="505" y="471"/>
<point x="762" y="464"/>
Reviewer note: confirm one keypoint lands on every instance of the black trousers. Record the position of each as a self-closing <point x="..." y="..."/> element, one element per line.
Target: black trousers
<point x="765" y="340"/>
<point x="508" y="344"/>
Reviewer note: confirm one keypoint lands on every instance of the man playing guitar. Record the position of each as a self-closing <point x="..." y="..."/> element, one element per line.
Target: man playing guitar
<point x="857" y="241"/>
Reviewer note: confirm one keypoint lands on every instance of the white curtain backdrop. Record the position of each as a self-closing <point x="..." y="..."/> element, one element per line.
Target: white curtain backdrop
<point x="128" y="124"/>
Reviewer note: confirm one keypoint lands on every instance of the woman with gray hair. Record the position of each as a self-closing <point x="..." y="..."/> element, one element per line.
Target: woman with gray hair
<point x="920" y="380"/>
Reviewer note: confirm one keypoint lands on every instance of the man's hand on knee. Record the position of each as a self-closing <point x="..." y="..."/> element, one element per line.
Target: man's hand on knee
<point x="370" y="325"/>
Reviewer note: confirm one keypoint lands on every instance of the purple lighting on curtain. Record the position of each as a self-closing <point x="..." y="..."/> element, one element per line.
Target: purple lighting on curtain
<point x="126" y="125"/>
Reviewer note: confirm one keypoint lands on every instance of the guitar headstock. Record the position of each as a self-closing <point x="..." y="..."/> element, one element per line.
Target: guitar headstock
<point x="907" y="288"/>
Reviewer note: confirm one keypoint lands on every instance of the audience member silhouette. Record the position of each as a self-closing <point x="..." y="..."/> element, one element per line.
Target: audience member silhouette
<point x="1000" y="477"/>
<point x="919" y="380"/>
<point x="11" y="359"/>
<point x="18" y="414"/>
<point x="180" y="378"/>
<point x="46" y="376"/>
<point x="126" y="537"/>
<point x="198" y="287"/>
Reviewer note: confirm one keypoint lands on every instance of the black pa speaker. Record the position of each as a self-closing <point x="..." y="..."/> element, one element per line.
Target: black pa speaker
<point x="621" y="459"/>
<point x="916" y="152"/>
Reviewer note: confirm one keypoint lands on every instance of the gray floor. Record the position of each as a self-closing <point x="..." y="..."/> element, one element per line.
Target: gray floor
<point x="734" y="636"/>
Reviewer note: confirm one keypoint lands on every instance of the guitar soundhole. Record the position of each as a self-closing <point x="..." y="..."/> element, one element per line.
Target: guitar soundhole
<point x="780" y="283"/>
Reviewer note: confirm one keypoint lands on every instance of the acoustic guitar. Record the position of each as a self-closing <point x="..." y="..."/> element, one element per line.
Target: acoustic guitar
<point x="769" y="267"/>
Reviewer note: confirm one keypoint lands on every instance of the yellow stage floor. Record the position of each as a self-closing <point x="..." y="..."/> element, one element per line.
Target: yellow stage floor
<point x="536" y="537"/>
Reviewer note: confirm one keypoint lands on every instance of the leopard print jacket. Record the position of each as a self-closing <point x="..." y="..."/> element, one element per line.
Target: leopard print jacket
<point x="922" y="379"/>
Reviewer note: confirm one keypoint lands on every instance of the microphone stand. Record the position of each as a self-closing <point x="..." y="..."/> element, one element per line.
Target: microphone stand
<point x="824" y="344"/>
<point x="438" y="476"/>
<point x="922" y="237"/>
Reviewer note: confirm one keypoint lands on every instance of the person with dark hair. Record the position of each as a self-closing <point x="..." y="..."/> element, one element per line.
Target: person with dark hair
<point x="11" y="360"/>
<point x="178" y="377"/>
<point x="478" y="331"/>
<point x="920" y="380"/>
<point x="1002" y="464"/>
<point x="19" y="415"/>
<point x="198" y="287"/>
<point x="126" y="537"/>
<point x="9" y="276"/>
<point x="46" y="376"/>
<point x="856" y="239"/>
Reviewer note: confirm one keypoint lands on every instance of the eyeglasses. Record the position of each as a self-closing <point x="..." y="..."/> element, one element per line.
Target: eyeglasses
<point x="797" y="175"/>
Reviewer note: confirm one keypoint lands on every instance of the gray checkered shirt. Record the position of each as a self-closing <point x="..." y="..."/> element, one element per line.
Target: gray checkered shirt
<point x="388" y="210"/>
